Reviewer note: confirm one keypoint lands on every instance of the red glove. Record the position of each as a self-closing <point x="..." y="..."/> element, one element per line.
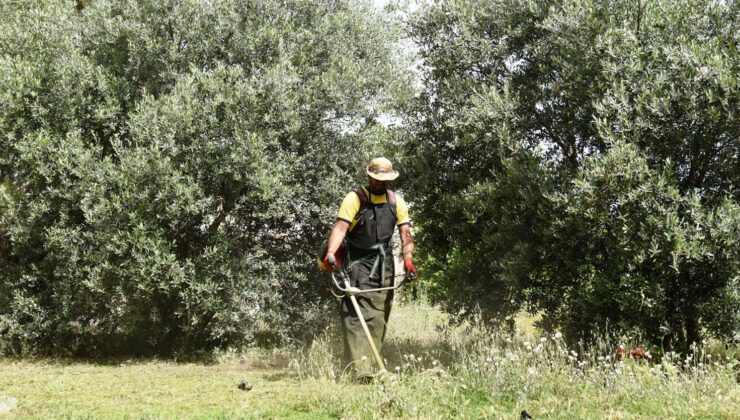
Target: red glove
<point x="410" y="269"/>
<point x="330" y="261"/>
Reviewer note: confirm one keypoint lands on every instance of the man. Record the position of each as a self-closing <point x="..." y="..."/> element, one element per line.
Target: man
<point x="365" y="223"/>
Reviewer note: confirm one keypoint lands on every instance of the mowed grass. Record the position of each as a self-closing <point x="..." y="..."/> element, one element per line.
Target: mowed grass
<point x="151" y="389"/>
<point x="435" y="371"/>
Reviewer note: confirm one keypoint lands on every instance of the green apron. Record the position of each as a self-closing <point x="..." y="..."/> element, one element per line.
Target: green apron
<point x="371" y="265"/>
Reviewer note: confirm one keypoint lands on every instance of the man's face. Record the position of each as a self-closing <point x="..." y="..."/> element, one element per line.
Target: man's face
<point x="377" y="187"/>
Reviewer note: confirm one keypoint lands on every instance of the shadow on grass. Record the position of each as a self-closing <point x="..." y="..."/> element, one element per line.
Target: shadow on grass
<point x="109" y="361"/>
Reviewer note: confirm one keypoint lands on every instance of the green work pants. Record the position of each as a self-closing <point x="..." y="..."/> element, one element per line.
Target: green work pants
<point x="375" y="307"/>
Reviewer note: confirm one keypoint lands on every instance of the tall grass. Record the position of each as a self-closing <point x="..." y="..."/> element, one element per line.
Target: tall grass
<point x="470" y="371"/>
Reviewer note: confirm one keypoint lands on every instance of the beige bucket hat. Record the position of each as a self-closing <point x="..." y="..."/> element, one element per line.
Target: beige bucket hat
<point x="381" y="169"/>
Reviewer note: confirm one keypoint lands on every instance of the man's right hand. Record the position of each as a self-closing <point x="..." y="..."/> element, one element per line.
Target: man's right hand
<point x="330" y="261"/>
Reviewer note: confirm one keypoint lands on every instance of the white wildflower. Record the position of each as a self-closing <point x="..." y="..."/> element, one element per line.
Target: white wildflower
<point x="7" y="404"/>
<point x="558" y="335"/>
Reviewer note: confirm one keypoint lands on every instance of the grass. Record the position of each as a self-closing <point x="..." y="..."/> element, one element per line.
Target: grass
<point x="150" y="389"/>
<point x="436" y="371"/>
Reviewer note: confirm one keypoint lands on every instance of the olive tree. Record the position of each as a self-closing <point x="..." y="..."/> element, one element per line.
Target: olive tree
<point x="168" y="168"/>
<point x="558" y="141"/>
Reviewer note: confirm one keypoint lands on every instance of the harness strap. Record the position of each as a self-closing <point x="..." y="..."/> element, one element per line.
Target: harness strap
<point x="378" y="258"/>
<point x="365" y="201"/>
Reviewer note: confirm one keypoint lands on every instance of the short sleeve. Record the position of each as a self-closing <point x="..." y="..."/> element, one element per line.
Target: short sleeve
<point x="349" y="208"/>
<point x="402" y="211"/>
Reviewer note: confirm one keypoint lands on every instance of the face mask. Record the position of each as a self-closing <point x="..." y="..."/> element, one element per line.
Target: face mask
<point x="381" y="191"/>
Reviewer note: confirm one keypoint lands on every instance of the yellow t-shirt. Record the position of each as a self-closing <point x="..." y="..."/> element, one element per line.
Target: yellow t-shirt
<point x="351" y="205"/>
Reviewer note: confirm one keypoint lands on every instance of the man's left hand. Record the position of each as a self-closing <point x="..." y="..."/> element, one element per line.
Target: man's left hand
<point x="410" y="269"/>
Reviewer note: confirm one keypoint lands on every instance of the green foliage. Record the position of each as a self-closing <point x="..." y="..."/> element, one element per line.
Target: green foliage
<point x="559" y="142"/>
<point x="167" y="168"/>
<point x="672" y="89"/>
<point x="630" y="251"/>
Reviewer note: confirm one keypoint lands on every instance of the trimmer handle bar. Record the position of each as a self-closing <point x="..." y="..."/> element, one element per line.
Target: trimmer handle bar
<point x="352" y="291"/>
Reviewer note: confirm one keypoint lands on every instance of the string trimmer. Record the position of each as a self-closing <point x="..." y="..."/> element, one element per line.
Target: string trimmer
<point x="349" y="291"/>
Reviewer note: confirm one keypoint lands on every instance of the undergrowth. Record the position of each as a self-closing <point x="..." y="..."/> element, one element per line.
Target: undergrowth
<point x="439" y="371"/>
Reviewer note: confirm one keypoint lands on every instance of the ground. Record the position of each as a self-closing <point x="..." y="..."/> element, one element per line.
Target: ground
<point x="153" y="389"/>
<point x="435" y="372"/>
